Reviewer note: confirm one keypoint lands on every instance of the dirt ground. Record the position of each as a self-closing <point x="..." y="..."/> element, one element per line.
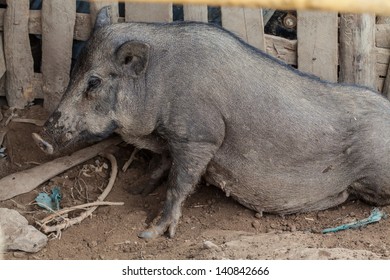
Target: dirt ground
<point x="213" y="226"/>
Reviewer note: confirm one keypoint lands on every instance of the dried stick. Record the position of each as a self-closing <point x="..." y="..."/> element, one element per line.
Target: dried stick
<point x="69" y="222"/>
<point x="27" y="180"/>
<point x="58" y="214"/>
<point x="31" y="121"/>
<point x="11" y="116"/>
<point x="127" y="164"/>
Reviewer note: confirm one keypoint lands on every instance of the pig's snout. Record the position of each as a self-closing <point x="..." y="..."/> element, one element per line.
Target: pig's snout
<point x="42" y="144"/>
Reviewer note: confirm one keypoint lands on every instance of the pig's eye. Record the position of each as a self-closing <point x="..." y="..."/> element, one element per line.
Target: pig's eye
<point x="93" y="83"/>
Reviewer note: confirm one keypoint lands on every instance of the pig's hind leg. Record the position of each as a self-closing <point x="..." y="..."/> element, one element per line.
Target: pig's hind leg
<point x="159" y="165"/>
<point x="373" y="190"/>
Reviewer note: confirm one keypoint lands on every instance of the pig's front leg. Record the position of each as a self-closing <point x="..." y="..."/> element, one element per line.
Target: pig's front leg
<point x="189" y="162"/>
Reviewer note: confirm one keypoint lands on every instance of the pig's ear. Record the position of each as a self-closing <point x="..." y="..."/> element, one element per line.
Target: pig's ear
<point x="133" y="57"/>
<point x="103" y="18"/>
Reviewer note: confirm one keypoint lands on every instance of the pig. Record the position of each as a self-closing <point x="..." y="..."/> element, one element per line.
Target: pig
<point x="273" y="138"/>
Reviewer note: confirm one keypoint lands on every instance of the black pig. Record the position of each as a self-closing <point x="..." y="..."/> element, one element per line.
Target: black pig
<point x="275" y="139"/>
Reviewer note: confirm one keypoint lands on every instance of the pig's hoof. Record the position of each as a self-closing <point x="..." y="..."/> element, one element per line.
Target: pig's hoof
<point x="144" y="186"/>
<point x="149" y="234"/>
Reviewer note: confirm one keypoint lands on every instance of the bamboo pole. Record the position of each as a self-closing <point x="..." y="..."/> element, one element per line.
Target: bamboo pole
<point x="379" y="7"/>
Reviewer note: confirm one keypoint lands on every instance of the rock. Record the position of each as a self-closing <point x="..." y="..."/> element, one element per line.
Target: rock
<point x="18" y="234"/>
<point x="258" y="215"/>
<point x="19" y="255"/>
<point x="293" y="228"/>
<point x="256" y="224"/>
<point x="92" y="244"/>
<point x="211" y="245"/>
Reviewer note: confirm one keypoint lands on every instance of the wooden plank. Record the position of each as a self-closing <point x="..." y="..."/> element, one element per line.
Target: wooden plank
<point x="382" y="55"/>
<point x="2" y="59"/>
<point x="195" y="13"/>
<point x="35" y="22"/>
<point x="318" y="44"/>
<point x="96" y="6"/>
<point x="281" y="48"/>
<point x="83" y="27"/>
<point x="382" y="20"/>
<point x="382" y="36"/>
<point x="140" y="12"/>
<point x="18" y="56"/>
<point x="245" y="23"/>
<point x="357" y="49"/>
<point x="58" y="20"/>
<point x="381" y="69"/>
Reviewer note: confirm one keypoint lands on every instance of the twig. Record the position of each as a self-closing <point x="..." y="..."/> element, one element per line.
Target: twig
<point x="30" y="121"/>
<point x="69" y="222"/>
<point x="11" y="116"/>
<point x="33" y="162"/>
<point x="127" y="164"/>
<point x="77" y="207"/>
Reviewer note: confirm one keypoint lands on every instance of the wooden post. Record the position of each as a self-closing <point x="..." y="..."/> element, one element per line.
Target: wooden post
<point x="148" y="12"/>
<point x="2" y="59"/>
<point x="357" y="49"/>
<point x="386" y="85"/>
<point x="195" y="13"/>
<point x="18" y="55"/>
<point x="318" y="44"/>
<point x="245" y="23"/>
<point x="96" y="6"/>
<point x="58" y="20"/>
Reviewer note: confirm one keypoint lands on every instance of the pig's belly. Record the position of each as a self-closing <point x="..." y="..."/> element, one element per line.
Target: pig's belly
<point x="270" y="196"/>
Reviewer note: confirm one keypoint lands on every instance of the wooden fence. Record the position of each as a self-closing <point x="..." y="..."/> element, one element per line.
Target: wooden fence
<point x="349" y="48"/>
